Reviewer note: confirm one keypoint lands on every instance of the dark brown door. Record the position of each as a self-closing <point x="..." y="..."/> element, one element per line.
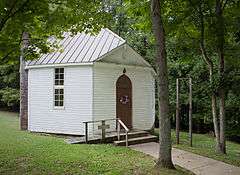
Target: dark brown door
<point x="124" y="100"/>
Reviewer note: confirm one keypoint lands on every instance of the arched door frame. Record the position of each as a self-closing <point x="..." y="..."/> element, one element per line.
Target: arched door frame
<point x="124" y="100"/>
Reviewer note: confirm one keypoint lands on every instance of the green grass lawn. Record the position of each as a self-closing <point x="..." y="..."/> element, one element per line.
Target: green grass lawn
<point x="22" y="152"/>
<point x="205" y="145"/>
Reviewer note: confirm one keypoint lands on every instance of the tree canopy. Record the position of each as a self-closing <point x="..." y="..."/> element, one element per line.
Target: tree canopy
<point x="44" y="18"/>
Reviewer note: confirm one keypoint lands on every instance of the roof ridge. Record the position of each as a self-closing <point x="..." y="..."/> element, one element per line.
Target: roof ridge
<point x="120" y="38"/>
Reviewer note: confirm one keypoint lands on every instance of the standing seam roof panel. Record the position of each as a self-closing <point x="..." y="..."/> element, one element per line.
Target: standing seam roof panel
<point x="107" y="45"/>
<point x="97" y="51"/>
<point x="51" y="58"/>
<point x="91" y="50"/>
<point x="48" y="55"/>
<point x="76" y="47"/>
<point x="80" y="48"/>
<point x="66" y="53"/>
<point x="103" y="46"/>
<point x="81" y="55"/>
<point x="66" y="49"/>
<point x="65" y="45"/>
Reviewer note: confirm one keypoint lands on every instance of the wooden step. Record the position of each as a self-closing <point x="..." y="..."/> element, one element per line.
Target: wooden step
<point x="134" y="134"/>
<point x="137" y="140"/>
<point x="109" y="138"/>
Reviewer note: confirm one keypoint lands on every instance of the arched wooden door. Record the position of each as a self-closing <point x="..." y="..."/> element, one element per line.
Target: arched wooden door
<point x="124" y="100"/>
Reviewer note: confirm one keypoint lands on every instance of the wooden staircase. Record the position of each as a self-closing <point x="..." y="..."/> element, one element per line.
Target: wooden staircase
<point x="136" y="137"/>
<point x="121" y="137"/>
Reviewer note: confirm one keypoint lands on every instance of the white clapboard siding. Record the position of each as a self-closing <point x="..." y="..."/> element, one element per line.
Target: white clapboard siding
<point x="78" y="95"/>
<point x="143" y="104"/>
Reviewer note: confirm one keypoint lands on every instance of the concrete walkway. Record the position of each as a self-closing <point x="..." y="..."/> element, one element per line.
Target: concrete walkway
<point x="197" y="164"/>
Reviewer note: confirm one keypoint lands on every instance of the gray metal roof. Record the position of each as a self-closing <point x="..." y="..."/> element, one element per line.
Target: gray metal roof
<point x="80" y="48"/>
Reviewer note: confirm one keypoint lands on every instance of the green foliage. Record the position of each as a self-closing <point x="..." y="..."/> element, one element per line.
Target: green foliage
<point x="10" y="96"/>
<point x="44" y="18"/>
<point x="9" y="86"/>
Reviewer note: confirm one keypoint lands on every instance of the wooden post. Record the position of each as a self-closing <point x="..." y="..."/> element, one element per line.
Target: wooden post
<point x="177" y="111"/>
<point x="126" y="138"/>
<point x="190" y="111"/>
<point x="86" y="132"/>
<point x="103" y="131"/>
<point x="118" y="130"/>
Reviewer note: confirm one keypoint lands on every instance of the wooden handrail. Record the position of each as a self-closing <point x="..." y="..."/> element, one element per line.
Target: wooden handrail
<point x="126" y="130"/>
<point x="123" y="125"/>
<point x="119" y="124"/>
<point x="95" y="121"/>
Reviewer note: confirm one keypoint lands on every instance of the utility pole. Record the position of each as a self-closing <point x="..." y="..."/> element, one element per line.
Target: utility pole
<point x="190" y="111"/>
<point x="177" y="111"/>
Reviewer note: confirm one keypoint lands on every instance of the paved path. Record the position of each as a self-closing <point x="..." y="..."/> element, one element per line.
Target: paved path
<point x="197" y="164"/>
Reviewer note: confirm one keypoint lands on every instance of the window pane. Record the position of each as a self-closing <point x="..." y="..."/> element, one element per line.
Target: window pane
<point x="61" y="97"/>
<point x="56" y="70"/>
<point x="61" y="76"/>
<point x="56" y="97"/>
<point x="61" y="91"/>
<point x="57" y="76"/>
<point x="56" y="103"/>
<point x="61" y="103"/>
<point x="56" y="91"/>
<point x="61" y="70"/>
<point x="60" y="82"/>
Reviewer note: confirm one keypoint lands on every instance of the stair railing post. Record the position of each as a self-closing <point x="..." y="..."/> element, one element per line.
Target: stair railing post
<point x="118" y="130"/>
<point x="126" y="138"/>
<point x="103" y="131"/>
<point x="86" y="132"/>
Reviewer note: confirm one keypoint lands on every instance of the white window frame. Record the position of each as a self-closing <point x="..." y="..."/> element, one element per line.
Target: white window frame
<point x="58" y="87"/>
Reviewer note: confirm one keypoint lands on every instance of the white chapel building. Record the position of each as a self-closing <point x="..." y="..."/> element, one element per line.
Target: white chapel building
<point x="93" y="77"/>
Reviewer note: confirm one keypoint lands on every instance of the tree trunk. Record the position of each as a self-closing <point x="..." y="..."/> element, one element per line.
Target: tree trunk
<point x="222" y="121"/>
<point x="220" y="49"/>
<point x="214" y="108"/>
<point x="165" y="147"/>
<point x="23" y="85"/>
<point x="215" y="118"/>
<point x="210" y="68"/>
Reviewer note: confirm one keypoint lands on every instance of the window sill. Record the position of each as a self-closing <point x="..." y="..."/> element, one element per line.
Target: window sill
<point x="59" y="108"/>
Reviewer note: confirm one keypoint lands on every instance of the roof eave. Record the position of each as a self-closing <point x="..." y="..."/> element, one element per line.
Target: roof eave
<point x="59" y="65"/>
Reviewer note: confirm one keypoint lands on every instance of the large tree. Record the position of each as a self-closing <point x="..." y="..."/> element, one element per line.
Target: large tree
<point x="165" y="147"/>
<point x="25" y="26"/>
